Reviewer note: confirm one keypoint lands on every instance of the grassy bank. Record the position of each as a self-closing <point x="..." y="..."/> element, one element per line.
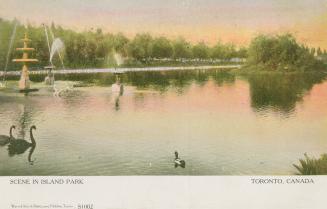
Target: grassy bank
<point x="312" y="166"/>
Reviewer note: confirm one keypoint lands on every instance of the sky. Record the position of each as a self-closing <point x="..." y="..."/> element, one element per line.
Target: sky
<point x="210" y="21"/>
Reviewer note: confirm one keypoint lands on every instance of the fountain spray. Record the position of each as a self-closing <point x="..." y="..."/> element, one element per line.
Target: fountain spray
<point x="9" y="50"/>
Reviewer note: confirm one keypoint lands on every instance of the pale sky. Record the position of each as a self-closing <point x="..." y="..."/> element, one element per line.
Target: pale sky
<point x="234" y="21"/>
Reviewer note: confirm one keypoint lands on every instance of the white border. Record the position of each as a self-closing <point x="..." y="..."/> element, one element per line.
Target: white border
<point x="170" y="192"/>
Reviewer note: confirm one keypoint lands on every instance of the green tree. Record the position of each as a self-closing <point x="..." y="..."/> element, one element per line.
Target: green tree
<point x="281" y="52"/>
<point x="242" y="52"/>
<point x="161" y="48"/>
<point x="218" y="51"/>
<point x="201" y="51"/>
<point x="230" y="51"/>
<point x="119" y="42"/>
<point x="140" y="47"/>
<point x="182" y="48"/>
<point x="319" y="52"/>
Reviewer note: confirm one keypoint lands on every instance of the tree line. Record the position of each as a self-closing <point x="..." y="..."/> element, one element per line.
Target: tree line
<point x="95" y="48"/>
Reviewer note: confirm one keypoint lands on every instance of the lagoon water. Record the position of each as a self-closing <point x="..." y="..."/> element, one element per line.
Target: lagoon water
<point x="220" y="124"/>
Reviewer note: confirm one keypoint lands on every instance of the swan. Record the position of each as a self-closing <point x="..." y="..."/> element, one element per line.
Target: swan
<point x="178" y="161"/>
<point x="2" y="85"/>
<point x="4" y="139"/>
<point x="19" y="146"/>
<point x="59" y="91"/>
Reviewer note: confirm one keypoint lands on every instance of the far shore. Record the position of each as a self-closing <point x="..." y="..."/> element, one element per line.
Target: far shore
<point x="122" y="70"/>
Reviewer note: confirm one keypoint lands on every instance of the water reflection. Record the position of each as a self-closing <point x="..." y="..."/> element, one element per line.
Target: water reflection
<point x="277" y="92"/>
<point x="280" y="92"/>
<point x="179" y="80"/>
<point x="17" y="149"/>
<point x="221" y="77"/>
<point x="117" y="90"/>
<point x="24" y="117"/>
<point x="20" y="111"/>
<point x="156" y="80"/>
<point x="201" y="77"/>
<point x="29" y="157"/>
<point x="200" y="109"/>
<point x="24" y="120"/>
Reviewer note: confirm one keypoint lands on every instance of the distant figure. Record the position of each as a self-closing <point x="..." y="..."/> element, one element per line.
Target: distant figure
<point x="49" y="80"/>
<point x="4" y="139"/>
<point x="178" y="161"/>
<point x="117" y="90"/>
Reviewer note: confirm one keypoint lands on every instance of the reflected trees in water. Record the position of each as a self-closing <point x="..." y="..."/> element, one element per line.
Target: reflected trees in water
<point x="222" y="77"/>
<point x="23" y="118"/>
<point x="280" y="92"/>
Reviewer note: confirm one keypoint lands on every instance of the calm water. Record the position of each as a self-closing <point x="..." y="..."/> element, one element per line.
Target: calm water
<point x="220" y="124"/>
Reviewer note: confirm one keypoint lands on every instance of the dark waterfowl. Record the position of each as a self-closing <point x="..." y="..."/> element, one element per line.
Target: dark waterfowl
<point x="29" y="158"/>
<point x="19" y="146"/>
<point x="178" y="161"/>
<point x="4" y="139"/>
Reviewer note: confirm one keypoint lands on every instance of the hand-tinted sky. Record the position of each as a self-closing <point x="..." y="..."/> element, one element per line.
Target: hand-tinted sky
<point x="208" y="20"/>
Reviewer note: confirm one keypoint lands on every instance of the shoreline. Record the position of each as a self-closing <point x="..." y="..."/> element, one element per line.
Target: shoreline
<point x="122" y="70"/>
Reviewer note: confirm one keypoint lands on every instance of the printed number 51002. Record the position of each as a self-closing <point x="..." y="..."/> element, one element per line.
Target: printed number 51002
<point x="85" y="206"/>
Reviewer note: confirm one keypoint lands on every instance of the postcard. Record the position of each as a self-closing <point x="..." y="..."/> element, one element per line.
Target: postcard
<point x="151" y="104"/>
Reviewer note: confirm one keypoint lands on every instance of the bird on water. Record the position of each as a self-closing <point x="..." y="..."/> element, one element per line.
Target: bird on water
<point x="19" y="146"/>
<point x="178" y="161"/>
<point x="4" y="139"/>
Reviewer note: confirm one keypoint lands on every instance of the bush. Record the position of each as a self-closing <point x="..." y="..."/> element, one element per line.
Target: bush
<point x="281" y="52"/>
<point x="312" y="166"/>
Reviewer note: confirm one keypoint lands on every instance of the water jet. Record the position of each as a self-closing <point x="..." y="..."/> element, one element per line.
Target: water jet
<point x="3" y="83"/>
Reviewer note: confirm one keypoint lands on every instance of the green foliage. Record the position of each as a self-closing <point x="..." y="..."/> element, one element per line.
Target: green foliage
<point x="182" y="49"/>
<point x="140" y="47"/>
<point x="227" y="51"/>
<point x="242" y="52"/>
<point x="94" y="48"/>
<point x="281" y="52"/>
<point x="201" y="50"/>
<point x="161" y="48"/>
<point x="6" y="28"/>
<point x="119" y="43"/>
<point x="312" y="166"/>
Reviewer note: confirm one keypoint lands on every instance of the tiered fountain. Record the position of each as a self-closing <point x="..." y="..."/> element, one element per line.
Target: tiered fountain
<point x="24" y="82"/>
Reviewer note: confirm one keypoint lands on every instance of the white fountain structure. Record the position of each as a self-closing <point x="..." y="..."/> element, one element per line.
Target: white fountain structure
<point x="24" y="82"/>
